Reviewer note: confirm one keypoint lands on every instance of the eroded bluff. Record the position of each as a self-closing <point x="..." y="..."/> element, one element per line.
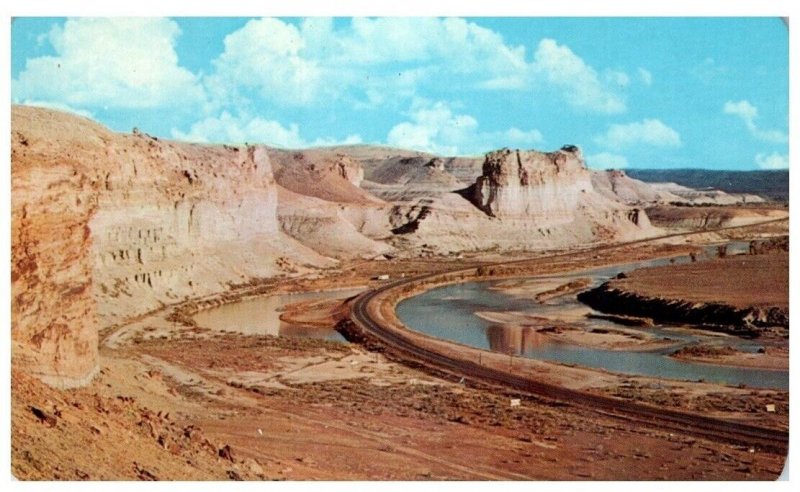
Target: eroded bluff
<point x="131" y="221"/>
<point x="542" y="186"/>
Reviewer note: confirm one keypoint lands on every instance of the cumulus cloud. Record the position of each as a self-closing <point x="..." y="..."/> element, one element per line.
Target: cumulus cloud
<point x="606" y="160"/>
<point x="743" y="109"/>
<point x="748" y="114"/>
<point x="772" y="161"/>
<point x="266" y="56"/>
<point x="240" y="129"/>
<point x="316" y="62"/>
<point x="372" y="62"/>
<point x="118" y="63"/>
<point x="581" y="85"/>
<point x="436" y="128"/>
<point x="646" y="132"/>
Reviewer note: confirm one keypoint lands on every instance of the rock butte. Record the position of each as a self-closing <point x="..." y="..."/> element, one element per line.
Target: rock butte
<point x="107" y="226"/>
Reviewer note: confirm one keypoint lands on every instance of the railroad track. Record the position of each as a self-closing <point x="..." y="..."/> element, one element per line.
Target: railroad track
<point x="702" y="426"/>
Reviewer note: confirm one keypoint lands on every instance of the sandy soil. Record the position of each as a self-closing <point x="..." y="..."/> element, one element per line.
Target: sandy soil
<point x="229" y="406"/>
<point x="741" y="281"/>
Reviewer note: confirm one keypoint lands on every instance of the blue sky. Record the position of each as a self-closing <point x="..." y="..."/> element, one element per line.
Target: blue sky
<point x="631" y="92"/>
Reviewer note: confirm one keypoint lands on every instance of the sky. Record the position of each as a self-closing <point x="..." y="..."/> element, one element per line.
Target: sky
<point x="631" y="92"/>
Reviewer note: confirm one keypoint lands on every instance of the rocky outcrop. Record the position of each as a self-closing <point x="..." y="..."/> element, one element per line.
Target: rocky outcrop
<point x="53" y="314"/>
<point x="543" y="187"/>
<point x="106" y="226"/>
<point x="331" y="177"/>
<point x="746" y="321"/>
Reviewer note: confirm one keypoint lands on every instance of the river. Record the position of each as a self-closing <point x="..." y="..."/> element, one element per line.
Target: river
<point x="261" y="315"/>
<point x="448" y="312"/>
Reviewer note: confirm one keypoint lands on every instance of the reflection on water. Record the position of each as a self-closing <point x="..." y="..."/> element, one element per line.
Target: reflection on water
<point x="261" y="315"/>
<point x="514" y="339"/>
<point x="449" y="312"/>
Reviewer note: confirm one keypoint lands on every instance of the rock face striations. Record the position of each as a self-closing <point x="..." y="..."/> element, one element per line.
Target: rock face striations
<point x="53" y="314"/>
<point x="544" y="187"/>
<point x="105" y="226"/>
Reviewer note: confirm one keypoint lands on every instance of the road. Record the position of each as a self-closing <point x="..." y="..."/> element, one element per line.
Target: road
<point x="712" y="428"/>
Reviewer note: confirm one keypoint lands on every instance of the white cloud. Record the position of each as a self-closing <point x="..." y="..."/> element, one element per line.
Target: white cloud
<point x="742" y="109"/>
<point x="708" y="70"/>
<point x="237" y="130"/>
<point x="606" y="160"/>
<point x="119" y="63"/>
<point x="315" y="62"/>
<point x="646" y="132"/>
<point x="772" y="161"/>
<point x="245" y="129"/>
<point x="645" y="76"/>
<point x="465" y="46"/>
<point x="748" y="114"/>
<point x="373" y="62"/>
<point x="266" y="56"/>
<point x="617" y="78"/>
<point x="580" y="82"/>
<point x="436" y="128"/>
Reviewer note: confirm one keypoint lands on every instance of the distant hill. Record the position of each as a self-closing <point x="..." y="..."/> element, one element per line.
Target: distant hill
<point x="768" y="184"/>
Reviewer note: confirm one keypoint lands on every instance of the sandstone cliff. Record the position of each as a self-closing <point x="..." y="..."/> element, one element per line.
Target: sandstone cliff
<point x="544" y="187"/>
<point x="106" y="226"/>
<point x="53" y="315"/>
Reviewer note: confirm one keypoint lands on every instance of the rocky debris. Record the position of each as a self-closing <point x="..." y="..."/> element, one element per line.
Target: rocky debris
<point x="44" y="417"/>
<point x="234" y="475"/>
<point x="142" y="473"/>
<point x="352" y="333"/>
<point x="225" y="452"/>
<point x="85" y="435"/>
